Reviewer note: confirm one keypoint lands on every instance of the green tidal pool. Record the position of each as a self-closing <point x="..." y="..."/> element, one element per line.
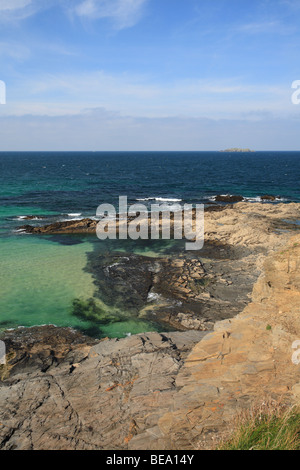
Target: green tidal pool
<point x="40" y="278"/>
<point x="39" y="281"/>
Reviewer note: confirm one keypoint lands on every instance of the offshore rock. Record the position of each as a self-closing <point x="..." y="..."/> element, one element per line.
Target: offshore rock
<point x="268" y="198"/>
<point x="229" y="198"/>
<point x="69" y="226"/>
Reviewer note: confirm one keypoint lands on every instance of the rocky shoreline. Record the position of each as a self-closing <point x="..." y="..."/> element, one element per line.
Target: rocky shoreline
<point x="176" y="390"/>
<point x="180" y="291"/>
<point x="184" y="290"/>
<point x="194" y="290"/>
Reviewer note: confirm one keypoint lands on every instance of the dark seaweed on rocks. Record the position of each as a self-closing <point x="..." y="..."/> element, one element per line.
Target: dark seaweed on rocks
<point x="90" y="311"/>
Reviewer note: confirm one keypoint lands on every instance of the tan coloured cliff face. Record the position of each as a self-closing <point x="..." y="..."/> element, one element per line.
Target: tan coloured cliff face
<point x="250" y="225"/>
<point x="243" y="361"/>
<point x="278" y="289"/>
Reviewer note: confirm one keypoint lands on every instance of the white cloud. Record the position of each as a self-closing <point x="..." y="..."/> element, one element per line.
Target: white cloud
<point x="14" y="50"/>
<point x="102" y="130"/>
<point x="260" y="27"/>
<point x="123" y="13"/>
<point x="267" y="27"/>
<point x="16" y="10"/>
<point x="139" y="96"/>
<point x="12" y="10"/>
<point x="10" y="5"/>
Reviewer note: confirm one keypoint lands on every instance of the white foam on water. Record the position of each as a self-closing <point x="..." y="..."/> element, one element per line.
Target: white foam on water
<point x="253" y="199"/>
<point x="21" y="232"/>
<point x="25" y="217"/>
<point x="160" y="199"/>
<point x="152" y="297"/>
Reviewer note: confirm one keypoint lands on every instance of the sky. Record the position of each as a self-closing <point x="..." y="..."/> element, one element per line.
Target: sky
<point x="149" y="74"/>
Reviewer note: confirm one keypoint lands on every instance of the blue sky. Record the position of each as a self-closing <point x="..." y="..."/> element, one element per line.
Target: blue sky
<point x="149" y="74"/>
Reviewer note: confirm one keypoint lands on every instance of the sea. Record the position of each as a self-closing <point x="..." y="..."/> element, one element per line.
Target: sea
<point x="42" y="276"/>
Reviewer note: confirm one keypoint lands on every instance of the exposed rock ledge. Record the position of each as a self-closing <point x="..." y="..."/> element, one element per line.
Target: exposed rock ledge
<point x="89" y="397"/>
<point x="160" y="391"/>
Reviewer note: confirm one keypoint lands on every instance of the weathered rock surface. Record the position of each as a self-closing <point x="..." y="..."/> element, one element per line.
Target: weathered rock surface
<point x="94" y="397"/>
<point x="207" y="289"/>
<point x="40" y="347"/>
<point x="245" y="361"/>
<point x="212" y="207"/>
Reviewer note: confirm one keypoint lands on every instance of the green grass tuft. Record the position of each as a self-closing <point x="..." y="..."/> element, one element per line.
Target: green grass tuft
<point x="269" y="427"/>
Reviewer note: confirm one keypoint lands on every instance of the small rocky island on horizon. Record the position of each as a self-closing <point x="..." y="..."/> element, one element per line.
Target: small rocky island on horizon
<point x="237" y="150"/>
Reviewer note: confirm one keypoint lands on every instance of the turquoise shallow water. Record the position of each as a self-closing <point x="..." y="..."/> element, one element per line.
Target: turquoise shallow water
<point x="41" y="277"/>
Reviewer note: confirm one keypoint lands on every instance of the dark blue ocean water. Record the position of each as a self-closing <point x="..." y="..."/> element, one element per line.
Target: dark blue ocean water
<point x="79" y="182"/>
<point x="41" y="276"/>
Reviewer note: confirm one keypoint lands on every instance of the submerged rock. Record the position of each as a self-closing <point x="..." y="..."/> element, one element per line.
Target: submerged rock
<point x="123" y="280"/>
